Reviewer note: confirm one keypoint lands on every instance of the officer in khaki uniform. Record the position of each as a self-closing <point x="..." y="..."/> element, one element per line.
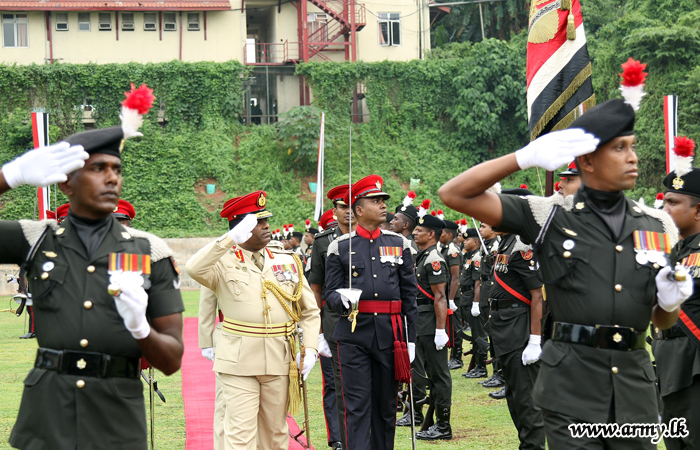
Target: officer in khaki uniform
<point x="209" y="332"/>
<point x="262" y="293"/>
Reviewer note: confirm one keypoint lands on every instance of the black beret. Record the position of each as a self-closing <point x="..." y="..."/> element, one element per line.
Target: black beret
<point x="104" y="140"/>
<point x="516" y="191"/>
<point x="450" y="225"/>
<point x="409" y="211"/>
<point x="297" y="235"/>
<point x="607" y="120"/>
<point x="430" y="221"/>
<point x="688" y="184"/>
<point x="389" y="216"/>
<point x="471" y="233"/>
<point x="313" y="230"/>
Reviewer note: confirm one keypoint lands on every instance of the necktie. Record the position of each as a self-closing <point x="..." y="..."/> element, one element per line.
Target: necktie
<point x="258" y="260"/>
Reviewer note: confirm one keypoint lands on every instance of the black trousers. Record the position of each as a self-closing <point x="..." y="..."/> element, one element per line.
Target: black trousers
<point x="330" y="408"/>
<point x="464" y="306"/>
<point x="439" y="378"/>
<point x="338" y="383"/>
<point x="684" y="404"/>
<point x="520" y="381"/>
<point x="369" y="391"/>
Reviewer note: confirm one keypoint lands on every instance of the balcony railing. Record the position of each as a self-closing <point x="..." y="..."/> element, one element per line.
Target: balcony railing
<point x="270" y="54"/>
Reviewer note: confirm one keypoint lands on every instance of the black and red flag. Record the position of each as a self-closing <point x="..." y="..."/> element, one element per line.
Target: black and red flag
<point x="559" y="87"/>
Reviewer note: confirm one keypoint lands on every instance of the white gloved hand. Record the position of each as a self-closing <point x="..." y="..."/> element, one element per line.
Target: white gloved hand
<point x="672" y="293"/>
<point x="44" y="166"/>
<point x="323" y="348"/>
<point x="411" y="351"/>
<point x="475" y="309"/>
<point x="132" y="302"/>
<point x="532" y="352"/>
<point x="441" y="339"/>
<point x="556" y="149"/>
<point x="453" y="306"/>
<point x="244" y="230"/>
<point x="309" y="361"/>
<point x="346" y="301"/>
<point x="208" y="353"/>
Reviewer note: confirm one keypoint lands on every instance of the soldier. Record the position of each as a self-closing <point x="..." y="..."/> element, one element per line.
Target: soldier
<point x="62" y="212"/>
<point x="295" y="241"/>
<point x="677" y="349"/>
<point x="124" y="213"/>
<point x="209" y="331"/>
<point x="570" y="180"/>
<point x="604" y="280"/>
<point x="431" y="276"/>
<point x="386" y="225"/>
<point x="309" y="237"/>
<point x="466" y="295"/>
<point x="382" y="268"/>
<point x="514" y="323"/>
<point x="262" y="294"/>
<point x="405" y="218"/>
<point x="336" y="222"/>
<point x="95" y="316"/>
<point x="451" y="254"/>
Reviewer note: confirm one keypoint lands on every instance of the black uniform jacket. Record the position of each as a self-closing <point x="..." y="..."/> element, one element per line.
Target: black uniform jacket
<point x="383" y="278"/>
<point x="607" y="286"/>
<point x="431" y="269"/>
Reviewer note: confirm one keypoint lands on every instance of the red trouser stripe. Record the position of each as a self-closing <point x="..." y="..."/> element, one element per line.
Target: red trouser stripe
<point x="512" y="291"/>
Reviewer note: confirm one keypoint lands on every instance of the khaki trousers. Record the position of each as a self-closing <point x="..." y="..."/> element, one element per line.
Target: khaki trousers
<point x="256" y="412"/>
<point x="219" y="402"/>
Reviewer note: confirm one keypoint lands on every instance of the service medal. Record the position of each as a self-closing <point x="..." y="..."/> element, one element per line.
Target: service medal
<point x="641" y="258"/>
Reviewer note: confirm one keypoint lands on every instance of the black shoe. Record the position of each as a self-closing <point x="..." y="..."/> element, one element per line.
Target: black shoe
<point x="495" y="381"/>
<point x="336" y="446"/>
<point x="441" y="429"/>
<point x="476" y="372"/>
<point x="405" y="420"/>
<point x="455" y="364"/>
<point x="482" y="382"/>
<point x="28" y="336"/>
<point x="499" y="394"/>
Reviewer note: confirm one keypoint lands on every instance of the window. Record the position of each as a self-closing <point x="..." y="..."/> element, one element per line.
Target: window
<point x="318" y="31"/>
<point x="389" y="28"/>
<point x="127" y="21"/>
<point x="193" y="21"/>
<point x="83" y="21"/>
<point x="105" y="21"/>
<point x="61" y="21"/>
<point x="149" y="21"/>
<point x="15" y="30"/>
<point x="169" y="23"/>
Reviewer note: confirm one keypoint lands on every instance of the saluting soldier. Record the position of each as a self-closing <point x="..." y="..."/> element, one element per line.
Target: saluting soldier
<point x="603" y="278"/>
<point x="677" y="349"/>
<point x="382" y="268"/>
<point x="466" y="295"/>
<point x="336" y="222"/>
<point x="262" y="294"/>
<point x="431" y="276"/>
<point x="96" y="315"/>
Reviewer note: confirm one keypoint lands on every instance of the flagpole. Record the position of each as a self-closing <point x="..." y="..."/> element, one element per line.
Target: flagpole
<point x="350" y="205"/>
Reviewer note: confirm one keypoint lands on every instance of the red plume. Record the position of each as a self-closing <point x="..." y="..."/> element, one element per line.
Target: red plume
<point x="140" y="99"/>
<point x="633" y="73"/>
<point x="308" y="222"/>
<point x="277" y="230"/>
<point x="523" y="186"/>
<point x="556" y="186"/>
<point x="425" y="204"/>
<point x="684" y="147"/>
<point x="463" y="221"/>
<point x="433" y="213"/>
<point x="660" y="196"/>
<point x="411" y="194"/>
<point x="439" y="211"/>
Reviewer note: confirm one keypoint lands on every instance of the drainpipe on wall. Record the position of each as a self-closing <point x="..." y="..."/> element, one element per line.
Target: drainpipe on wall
<point x="180" y="13"/>
<point x="48" y="35"/>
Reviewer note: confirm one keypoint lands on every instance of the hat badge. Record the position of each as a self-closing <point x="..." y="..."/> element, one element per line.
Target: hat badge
<point x="262" y="201"/>
<point x="678" y="183"/>
<point x="116" y="208"/>
<point x="378" y="184"/>
<point x="421" y="221"/>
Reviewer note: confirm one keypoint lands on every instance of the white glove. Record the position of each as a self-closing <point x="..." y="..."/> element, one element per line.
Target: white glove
<point x="309" y="361"/>
<point x="345" y="300"/>
<point x="532" y="352"/>
<point x="453" y="306"/>
<point x="323" y="348"/>
<point x="132" y="302"/>
<point x="475" y="309"/>
<point x="208" y="353"/>
<point x="244" y="230"/>
<point x="672" y="293"/>
<point x="441" y="339"/>
<point x="411" y="351"/>
<point x="556" y="149"/>
<point x="44" y="166"/>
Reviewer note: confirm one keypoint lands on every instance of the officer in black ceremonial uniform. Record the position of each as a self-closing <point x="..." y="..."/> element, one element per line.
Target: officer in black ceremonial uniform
<point x="382" y="268"/>
<point x="96" y="315"/>
<point x="466" y="294"/>
<point x="677" y="350"/>
<point x="600" y="271"/>
<point x="431" y="275"/>
<point x="335" y="222"/>
<point x="514" y="324"/>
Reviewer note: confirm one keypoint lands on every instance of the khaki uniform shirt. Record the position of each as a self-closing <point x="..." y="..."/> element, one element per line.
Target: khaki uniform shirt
<point x="208" y="329"/>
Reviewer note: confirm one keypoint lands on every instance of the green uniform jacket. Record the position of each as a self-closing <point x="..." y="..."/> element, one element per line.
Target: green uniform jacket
<point x="431" y="268"/>
<point x="466" y="282"/>
<point x="574" y="379"/>
<point x="107" y="413"/>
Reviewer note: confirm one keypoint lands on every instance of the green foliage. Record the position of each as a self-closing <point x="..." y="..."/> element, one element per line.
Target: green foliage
<point x="299" y="131"/>
<point x="501" y="20"/>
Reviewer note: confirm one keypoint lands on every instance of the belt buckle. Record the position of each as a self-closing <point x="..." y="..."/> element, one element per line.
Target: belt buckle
<point x="83" y="364"/>
<point x="617" y="338"/>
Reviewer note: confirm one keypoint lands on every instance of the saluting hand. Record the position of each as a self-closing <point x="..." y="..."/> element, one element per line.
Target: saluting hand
<point x="44" y="166"/>
<point x="132" y="302"/>
<point x="244" y="230"/>
<point x="556" y="149"/>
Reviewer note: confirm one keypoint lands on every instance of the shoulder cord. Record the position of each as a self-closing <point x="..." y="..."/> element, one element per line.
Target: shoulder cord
<point x="538" y="244"/>
<point x="283" y="296"/>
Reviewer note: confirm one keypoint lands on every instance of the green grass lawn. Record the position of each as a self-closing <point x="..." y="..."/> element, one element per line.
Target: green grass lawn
<point x="478" y="422"/>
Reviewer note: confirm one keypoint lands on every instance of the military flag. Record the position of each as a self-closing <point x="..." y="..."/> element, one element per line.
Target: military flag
<point x="671" y="125"/>
<point x="40" y="133"/>
<point x="320" y="193"/>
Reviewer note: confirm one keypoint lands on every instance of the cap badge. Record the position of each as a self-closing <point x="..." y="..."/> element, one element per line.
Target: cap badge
<point x="378" y="184"/>
<point x="403" y="208"/>
<point x="420" y="221"/>
<point x="262" y="201"/>
<point x="116" y="208"/>
<point x="678" y="183"/>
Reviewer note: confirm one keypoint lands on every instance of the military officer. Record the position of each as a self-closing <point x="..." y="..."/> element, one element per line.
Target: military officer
<point x="262" y="295"/>
<point x="405" y="218"/>
<point x="95" y="316"/>
<point x="600" y="272"/>
<point x="380" y="265"/>
<point x="677" y="349"/>
<point x="570" y="180"/>
<point x="466" y="295"/>
<point x="124" y="212"/>
<point x="431" y="276"/>
<point x="340" y="221"/>
<point x="451" y="254"/>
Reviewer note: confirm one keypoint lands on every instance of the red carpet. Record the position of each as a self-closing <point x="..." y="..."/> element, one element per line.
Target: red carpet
<point x="198" y="395"/>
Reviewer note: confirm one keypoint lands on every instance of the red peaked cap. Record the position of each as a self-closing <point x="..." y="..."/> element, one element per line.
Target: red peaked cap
<point x="327" y="219"/>
<point x="62" y="211"/>
<point x="369" y="186"/>
<point x="338" y="193"/>
<point x="253" y="203"/>
<point x="124" y="210"/>
<point x="50" y="214"/>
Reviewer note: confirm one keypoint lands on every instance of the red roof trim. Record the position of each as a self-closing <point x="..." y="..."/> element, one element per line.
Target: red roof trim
<point x="110" y="5"/>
